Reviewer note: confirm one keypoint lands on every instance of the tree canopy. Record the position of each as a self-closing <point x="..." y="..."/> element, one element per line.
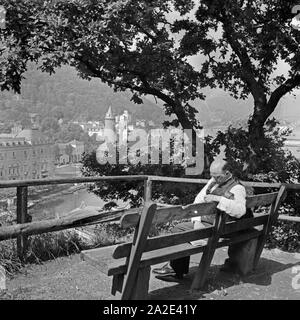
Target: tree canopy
<point x="244" y="42"/>
<point x="104" y="40"/>
<point x="135" y="45"/>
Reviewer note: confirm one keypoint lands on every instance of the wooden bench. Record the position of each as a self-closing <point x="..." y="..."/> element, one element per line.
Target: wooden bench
<point x="130" y="263"/>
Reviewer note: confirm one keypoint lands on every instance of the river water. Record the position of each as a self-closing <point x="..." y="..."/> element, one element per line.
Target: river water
<point x="60" y="204"/>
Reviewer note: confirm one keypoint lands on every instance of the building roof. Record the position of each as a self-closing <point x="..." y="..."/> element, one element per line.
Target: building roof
<point x="13" y="142"/>
<point x="109" y="113"/>
<point x="33" y="136"/>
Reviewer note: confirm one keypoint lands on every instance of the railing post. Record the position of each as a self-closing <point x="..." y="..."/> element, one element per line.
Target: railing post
<point x="148" y="190"/>
<point x="22" y="217"/>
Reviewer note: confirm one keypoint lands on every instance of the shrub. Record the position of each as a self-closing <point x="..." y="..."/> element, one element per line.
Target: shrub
<point x="110" y="233"/>
<point x="271" y="164"/>
<point x="8" y="257"/>
<point x="52" y="245"/>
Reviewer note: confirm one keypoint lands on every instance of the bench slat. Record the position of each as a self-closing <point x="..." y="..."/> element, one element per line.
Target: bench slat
<point x="167" y="214"/>
<point x="123" y="250"/>
<point x="243" y="224"/>
<point x="261" y="199"/>
<point x="179" y="251"/>
<point x="243" y="237"/>
<point x="100" y="257"/>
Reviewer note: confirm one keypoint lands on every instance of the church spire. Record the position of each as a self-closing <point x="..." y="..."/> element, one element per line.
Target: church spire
<point x="109" y="114"/>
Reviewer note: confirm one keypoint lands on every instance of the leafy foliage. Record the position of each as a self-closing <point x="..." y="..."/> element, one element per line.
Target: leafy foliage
<point x="243" y="42"/>
<point x="133" y="191"/>
<point x="273" y="163"/>
<point x="103" y="40"/>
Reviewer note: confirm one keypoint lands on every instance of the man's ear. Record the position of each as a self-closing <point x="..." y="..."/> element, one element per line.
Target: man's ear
<point x="228" y="173"/>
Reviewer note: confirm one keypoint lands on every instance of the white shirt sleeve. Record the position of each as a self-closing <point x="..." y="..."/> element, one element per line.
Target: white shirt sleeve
<point x="200" y="198"/>
<point x="236" y="207"/>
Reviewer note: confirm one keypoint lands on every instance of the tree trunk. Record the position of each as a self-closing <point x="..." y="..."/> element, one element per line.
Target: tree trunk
<point x="256" y="128"/>
<point x="256" y="124"/>
<point x="262" y="110"/>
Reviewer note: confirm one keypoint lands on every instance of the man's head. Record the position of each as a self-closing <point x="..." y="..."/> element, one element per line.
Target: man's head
<point x="219" y="170"/>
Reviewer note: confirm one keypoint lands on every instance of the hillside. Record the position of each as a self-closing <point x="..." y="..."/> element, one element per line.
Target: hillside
<point x="65" y="95"/>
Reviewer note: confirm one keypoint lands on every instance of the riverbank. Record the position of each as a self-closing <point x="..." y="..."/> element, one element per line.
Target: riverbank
<point x="43" y="192"/>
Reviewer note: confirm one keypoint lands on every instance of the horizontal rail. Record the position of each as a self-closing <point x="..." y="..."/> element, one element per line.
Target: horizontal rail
<point x="40" y="182"/>
<point x="82" y="218"/>
<point x="204" y="181"/>
<point x="23" y="228"/>
<point x="285" y="217"/>
<point x="291" y="186"/>
<point x="175" y="179"/>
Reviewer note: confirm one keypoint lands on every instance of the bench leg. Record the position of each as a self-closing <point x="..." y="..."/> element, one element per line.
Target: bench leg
<point x="140" y="291"/>
<point x="208" y="254"/>
<point x="200" y="276"/>
<point x="243" y="255"/>
<point x="273" y="215"/>
<point x="260" y="246"/>
<point x="117" y="283"/>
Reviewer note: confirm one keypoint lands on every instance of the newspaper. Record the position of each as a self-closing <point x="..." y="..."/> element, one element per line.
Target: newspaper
<point x="202" y="242"/>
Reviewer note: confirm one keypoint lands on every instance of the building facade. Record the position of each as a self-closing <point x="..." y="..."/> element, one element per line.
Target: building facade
<point x="70" y="152"/>
<point x="26" y="155"/>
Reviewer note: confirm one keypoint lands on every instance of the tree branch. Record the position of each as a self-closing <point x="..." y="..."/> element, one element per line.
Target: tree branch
<point x="286" y="87"/>
<point x="248" y="74"/>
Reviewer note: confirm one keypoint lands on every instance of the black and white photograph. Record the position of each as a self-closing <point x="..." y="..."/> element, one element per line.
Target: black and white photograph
<point x="149" y="153"/>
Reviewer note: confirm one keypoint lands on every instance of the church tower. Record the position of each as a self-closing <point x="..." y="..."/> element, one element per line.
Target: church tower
<point x="109" y="122"/>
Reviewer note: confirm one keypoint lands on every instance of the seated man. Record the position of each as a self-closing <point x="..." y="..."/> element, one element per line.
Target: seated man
<point x="230" y="195"/>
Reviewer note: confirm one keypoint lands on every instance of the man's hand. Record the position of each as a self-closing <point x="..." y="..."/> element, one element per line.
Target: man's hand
<point x="197" y="224"/>
<point x="212" y="198"/>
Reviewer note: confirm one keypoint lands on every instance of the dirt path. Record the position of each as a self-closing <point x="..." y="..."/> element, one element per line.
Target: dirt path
<point x="71" y="278"/>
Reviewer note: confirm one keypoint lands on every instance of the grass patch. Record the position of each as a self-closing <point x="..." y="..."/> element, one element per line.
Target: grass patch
<point x="8" y="257"/>
<point x="52" y="245"/>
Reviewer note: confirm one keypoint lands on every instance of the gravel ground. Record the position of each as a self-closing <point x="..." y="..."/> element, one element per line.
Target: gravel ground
<point x="69" y="278"/>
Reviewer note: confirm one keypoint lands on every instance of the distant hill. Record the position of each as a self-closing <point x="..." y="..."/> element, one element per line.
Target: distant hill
<point x="65" y="95"/>
<point x="220" y="109"/>
<point x="289" y="108"/>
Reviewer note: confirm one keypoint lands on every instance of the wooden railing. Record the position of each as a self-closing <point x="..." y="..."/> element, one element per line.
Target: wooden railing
<point x="84" y="217"/>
